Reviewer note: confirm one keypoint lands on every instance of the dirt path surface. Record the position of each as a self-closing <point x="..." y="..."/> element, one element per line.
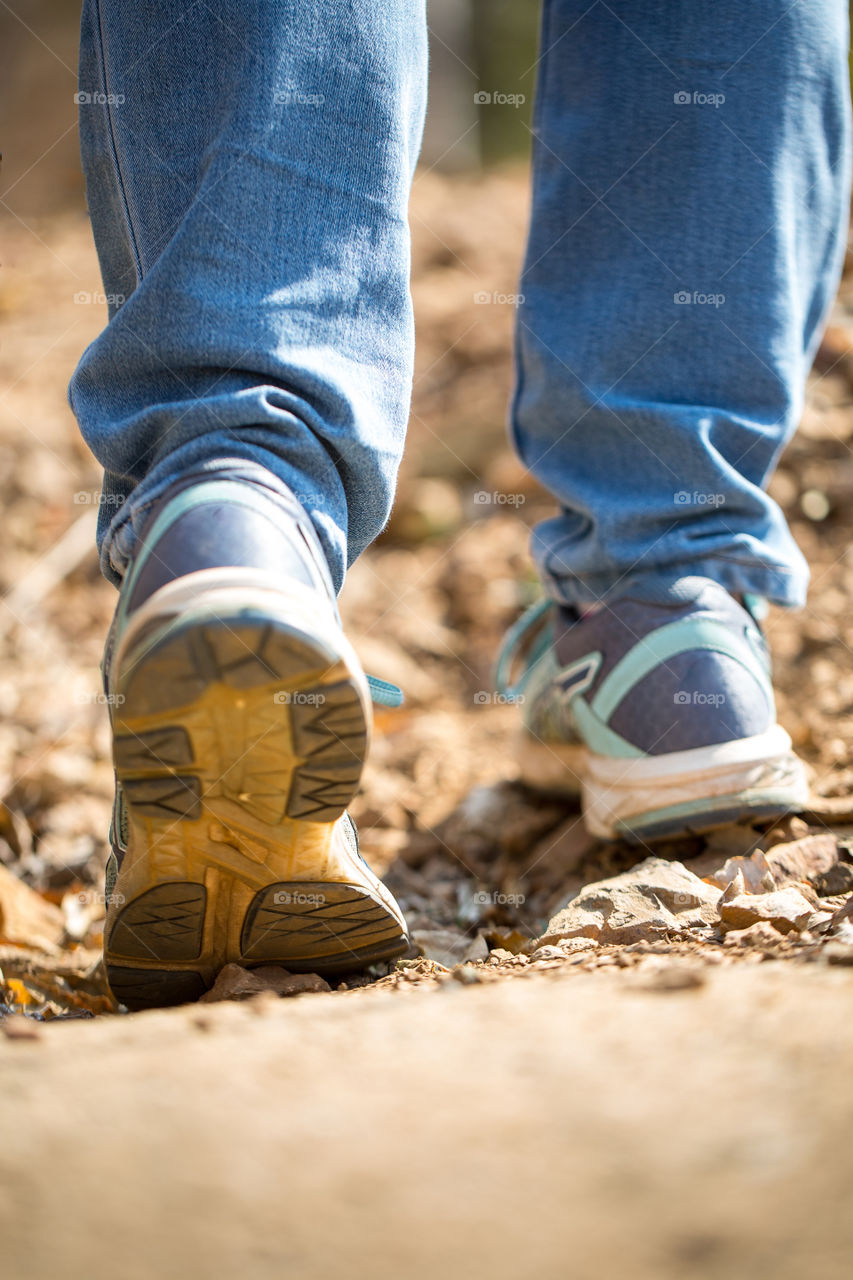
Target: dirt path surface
<point x="570" y="1126"/>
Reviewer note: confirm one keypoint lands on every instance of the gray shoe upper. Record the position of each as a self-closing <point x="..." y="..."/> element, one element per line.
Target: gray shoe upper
<point x="250" y="520"/>
<point x="688" y="669"/>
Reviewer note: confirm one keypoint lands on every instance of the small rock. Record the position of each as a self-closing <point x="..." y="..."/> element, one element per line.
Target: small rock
<point x="733" y="841"/>
<point x="673" y="977"/>
<point x="735" y="887"/>
<point x="754" y="869"/>
<point x="838" y="879"/>
<point x="466" y="974"/>
<point x="233" y="982"/>
<point x="839" y="953"/>
<point x="548" y="952"/>
<point x="843" y="932"/>
<point x="570" y="945"/>
<point x="655" y="899"/>
<point x="17" y="1027"/>
<point x="499" y="955"/>
<point x="843" y="916"/>
<point x="803" y="860"/>
<point x="447" y="947"/>
<point x="786" y="909"/>
<point x="478" y="950"/>
<point x="761" y="934"/>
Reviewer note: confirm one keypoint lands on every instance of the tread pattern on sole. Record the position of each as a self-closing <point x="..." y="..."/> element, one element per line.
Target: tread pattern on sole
<point x="154" y="988"/>
<point x="168" y="798"/>
<point x="167" y="747"/>
<point x="319" y="926"/>
<point x="316" y="778"/>
<point x="241" y="652"/>
<point x="164" y="923"/>
<point x="330" y="736"/>
<point x="648" y="828"/>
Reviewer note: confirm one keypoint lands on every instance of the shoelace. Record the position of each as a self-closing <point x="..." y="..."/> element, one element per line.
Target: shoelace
<point x="384" y="693"/>
<point x="512" y="645"/>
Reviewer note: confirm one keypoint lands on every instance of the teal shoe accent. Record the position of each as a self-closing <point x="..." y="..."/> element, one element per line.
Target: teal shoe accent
<point x="667" y="642"/>
<point x="383" y="693"/>
<point x="511" y="649"/>
<point x="597" y="736"/>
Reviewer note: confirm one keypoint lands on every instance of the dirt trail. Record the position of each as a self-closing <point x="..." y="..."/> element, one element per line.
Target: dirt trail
<point x="573" y="1126"/>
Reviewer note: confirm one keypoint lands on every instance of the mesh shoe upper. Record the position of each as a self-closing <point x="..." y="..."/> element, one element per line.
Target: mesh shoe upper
<point x="641" y="677"/>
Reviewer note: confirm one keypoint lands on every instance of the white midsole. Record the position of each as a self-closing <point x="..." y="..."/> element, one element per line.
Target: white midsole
<point x="615" y="790"/>
<point x="229" y="590"/>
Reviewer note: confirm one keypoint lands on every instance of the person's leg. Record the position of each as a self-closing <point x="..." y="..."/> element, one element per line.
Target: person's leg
<point x="691" y="185"/>
<point x="691" y="180"/>
<point x="248" y="171"/>
<point x="247" y="174"/>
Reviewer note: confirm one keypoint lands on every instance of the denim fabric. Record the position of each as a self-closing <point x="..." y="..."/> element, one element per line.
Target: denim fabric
<point x="691" y="180"/>
<point x="248" y="170"/>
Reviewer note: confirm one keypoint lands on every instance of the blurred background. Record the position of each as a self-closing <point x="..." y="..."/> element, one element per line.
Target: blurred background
<point x="428" y="604"/>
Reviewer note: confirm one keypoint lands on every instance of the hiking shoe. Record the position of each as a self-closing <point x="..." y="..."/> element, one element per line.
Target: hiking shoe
<point x="240" y="719"/>
<point x="660" y="714"/>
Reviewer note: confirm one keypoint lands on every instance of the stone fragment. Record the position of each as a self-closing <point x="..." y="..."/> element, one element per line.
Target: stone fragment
<point x="549" y="952"/>
<point x="447" y="947"/>
<point x="233" y="982"/>
<point x="803" y="860"/>
<point x="786" y="909"/>
<point x="17" y="1027"/>
<point x="466" y="974"/>
<point x="755" y="869"/>
<point x="838" y="879"/>
<point x="673" y="977"/>
<point x="27" y="919"/>
<point x="655" y="899"/>
<point x="843" y="916"/>
<point x="761" y="934"/>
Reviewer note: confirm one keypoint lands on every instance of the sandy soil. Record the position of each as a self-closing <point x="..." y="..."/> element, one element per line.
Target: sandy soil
<point x="568" y="1126"/>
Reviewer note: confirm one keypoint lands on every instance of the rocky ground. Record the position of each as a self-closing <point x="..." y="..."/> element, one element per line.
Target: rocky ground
<point x="676" y="1058"/>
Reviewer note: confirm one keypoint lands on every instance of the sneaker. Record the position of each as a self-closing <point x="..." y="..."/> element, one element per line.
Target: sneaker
<point x="660" y="714"/>
<point x="240" y="718"/>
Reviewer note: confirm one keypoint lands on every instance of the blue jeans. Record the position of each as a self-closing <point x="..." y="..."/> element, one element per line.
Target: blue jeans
<point x="248" y="170"/>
